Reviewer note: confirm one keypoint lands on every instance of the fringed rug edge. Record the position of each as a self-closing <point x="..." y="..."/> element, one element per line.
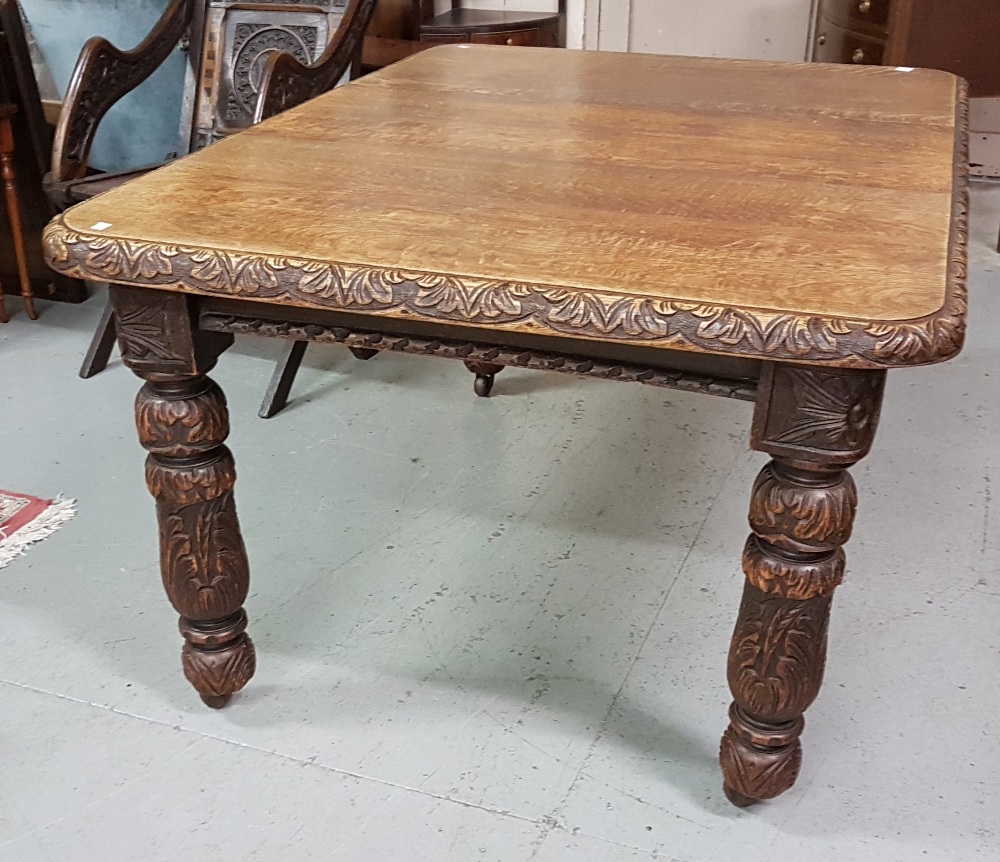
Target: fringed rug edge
<point x="55" y="515"/>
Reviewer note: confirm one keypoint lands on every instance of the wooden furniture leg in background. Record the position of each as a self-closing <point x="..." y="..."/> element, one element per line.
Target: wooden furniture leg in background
<point x="101" y="345"/>
<point x="815" y="424"/>
<point x="13" y="211"/>
<point x="183" y="422"/>
<point x="276" y="396"/>
<point x="278" y="390"/>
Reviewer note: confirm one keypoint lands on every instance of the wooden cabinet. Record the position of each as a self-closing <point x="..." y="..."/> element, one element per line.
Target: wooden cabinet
<point x="960" y="36"/>
<point x="836" y="43"/>
<point x="485" y="27"/>
<point x="33" y="145"/>
<point x="401" y="28"/>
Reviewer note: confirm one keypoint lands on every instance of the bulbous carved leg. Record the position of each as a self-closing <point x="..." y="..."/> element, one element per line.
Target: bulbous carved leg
<point x="815" y="424"/>
<point x="486" y="373"/>
<point x="183" y="422"/>
<point x="793" y="561"/>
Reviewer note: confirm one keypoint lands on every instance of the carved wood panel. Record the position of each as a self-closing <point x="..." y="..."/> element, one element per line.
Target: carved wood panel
<point x="158" y="334"/>
<point x="238" y="40"/>
<point x="831" y="413"/>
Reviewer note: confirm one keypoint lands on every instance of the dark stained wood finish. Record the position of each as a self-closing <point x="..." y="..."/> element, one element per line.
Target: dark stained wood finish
<point x="817" y="379"/>
<point x="229" y="97"/>
<point x="673" y="370"/>
<point x="814" y="423"/>
<point x="486" y="373"/>
<point x="958" y="36"/>
<point x="485" y="27"/>
<point x="13" y="211"/>
<point x="402" y="28"/>
<point x="837" y="44"/>
<point x="278" y="390"/>
<point x="33" y="139"/>
<point x="183" y="423"/>
<point x="103" y="75"/>
<point x="101" y="345"/>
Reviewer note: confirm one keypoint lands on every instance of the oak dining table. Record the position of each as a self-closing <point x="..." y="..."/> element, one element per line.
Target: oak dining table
<point x="785" y="234"/>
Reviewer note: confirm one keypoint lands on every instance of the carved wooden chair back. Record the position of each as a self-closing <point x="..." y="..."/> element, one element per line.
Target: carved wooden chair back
<point x="238" y="38"/>
<point x="250" y="59"/>
<point x="229" y="43"/>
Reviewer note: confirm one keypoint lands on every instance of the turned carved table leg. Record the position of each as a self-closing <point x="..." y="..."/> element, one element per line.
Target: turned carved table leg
<point x="815" y="424"/>
<point x="183" y="422"/>
<point x="486" y="373"/>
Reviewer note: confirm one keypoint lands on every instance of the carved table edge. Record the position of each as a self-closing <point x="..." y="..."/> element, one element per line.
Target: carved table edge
<point x="742" y="390"/>
<point x="604" y="316"/>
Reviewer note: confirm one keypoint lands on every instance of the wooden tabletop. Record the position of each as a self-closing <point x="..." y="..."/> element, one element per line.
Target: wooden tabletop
<point x="786" y="211"/>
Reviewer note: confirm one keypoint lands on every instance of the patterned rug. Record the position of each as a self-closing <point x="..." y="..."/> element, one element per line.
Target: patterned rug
<point x="25" y="519"/>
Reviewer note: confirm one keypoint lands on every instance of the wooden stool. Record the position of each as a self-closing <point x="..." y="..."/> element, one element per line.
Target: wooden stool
<point x="13" y="211"/>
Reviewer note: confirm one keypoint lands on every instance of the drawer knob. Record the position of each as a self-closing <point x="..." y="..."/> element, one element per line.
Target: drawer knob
<point x="821" y="39"/>
<point x="858" y="56"/>
<point x="864" y="7"/>
<point x="510" y="41"/>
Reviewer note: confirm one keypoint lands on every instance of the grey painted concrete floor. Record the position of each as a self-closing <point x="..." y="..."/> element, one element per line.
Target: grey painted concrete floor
<point x="492" y="630"/>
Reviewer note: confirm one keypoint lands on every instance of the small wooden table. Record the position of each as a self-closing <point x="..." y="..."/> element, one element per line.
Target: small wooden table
<point x="774" y="232"/>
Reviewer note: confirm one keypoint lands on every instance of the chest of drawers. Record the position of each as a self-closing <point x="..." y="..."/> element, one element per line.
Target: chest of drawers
<point x="959" y="36"/>
<point x="486" y="27"/>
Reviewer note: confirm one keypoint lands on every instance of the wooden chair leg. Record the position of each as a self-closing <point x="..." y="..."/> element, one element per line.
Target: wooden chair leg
<point x="276" y="397"/>
<point x="486" y="373"/>
<point x="101" y="345"/>
<point x="14" y="215"/>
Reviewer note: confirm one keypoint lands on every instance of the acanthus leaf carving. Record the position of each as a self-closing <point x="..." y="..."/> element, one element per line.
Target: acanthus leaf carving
<point x="576" y="312"/>
<point x="778" y="654"/>
<point x="754" y="772"/>
<point x="364" y="287"/>
<point x="803" y="336"/>
<point x="129" y="261"/>
<point x="729" y="326"/>
<point x="181" y="427"/>
<point x="223" y="272"/>
<point x="916" y="341"/>
<point x="580" y="310"/>
<point x="803" y="518"/>
<point x="204" y="561"/>
<point x="470" y="299"/>
<point x="219" y="673"/>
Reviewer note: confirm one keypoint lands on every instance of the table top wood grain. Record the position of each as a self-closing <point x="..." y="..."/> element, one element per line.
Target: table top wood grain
<point x="783" y="211"/>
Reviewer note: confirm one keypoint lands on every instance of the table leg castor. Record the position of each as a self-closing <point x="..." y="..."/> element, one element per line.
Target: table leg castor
<point x="486" y="373"/>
